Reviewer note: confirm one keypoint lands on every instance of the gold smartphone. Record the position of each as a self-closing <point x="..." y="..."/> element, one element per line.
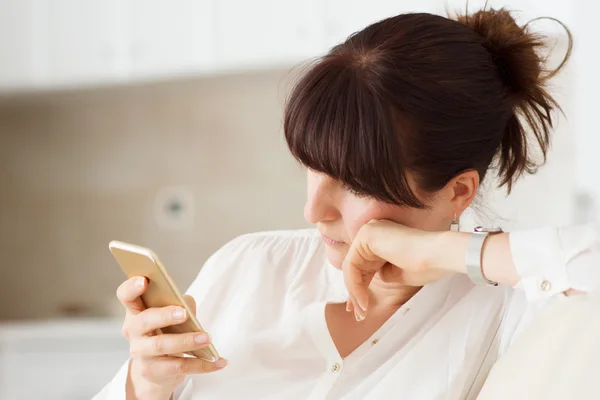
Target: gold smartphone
<point x="161" y="291"/>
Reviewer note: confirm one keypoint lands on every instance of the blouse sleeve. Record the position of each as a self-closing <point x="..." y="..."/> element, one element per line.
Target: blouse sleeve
<point x="549" y="262"/>
<point x="553" y="260"/>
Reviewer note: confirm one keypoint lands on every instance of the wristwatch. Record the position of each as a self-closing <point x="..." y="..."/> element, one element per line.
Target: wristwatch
<point x="473" y="256"/>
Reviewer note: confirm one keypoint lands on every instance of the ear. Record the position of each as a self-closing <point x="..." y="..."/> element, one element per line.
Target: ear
<point x="461" y="190"/>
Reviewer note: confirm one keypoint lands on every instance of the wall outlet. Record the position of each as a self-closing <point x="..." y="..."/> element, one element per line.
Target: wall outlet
<point x="174" y="207"/>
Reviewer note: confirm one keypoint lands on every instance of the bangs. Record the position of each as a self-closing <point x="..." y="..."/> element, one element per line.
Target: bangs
<point x="336" y="123"/>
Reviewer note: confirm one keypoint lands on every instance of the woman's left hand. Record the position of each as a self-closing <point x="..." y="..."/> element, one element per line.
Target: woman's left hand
<point x="395" y="252"/>
<point x="414" y="257"/>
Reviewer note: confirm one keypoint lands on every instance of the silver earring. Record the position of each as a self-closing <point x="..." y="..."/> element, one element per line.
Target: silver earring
<point x="455" y="225"/>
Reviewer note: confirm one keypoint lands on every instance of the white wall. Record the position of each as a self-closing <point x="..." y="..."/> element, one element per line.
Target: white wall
<point x="586" y="82"/>
<point x="79" y="169"/>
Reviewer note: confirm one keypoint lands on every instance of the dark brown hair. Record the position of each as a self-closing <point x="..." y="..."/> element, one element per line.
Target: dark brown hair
<point x="422" y="93"/>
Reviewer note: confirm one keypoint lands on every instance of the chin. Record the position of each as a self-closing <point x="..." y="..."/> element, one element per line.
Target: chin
<point x="335" y="258"/>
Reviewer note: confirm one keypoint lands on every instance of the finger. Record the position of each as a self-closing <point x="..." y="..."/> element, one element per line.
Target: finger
<point x="160" y="367"/>
<point x="129" y="293"/>
<point x="190" y="302"/>
<point x="171" y="344"/>
<point x="360" y="265"/>
<point x="349" y="305"/>
<point x="357" y="283"/>
<point x="573" y="292"/>
<point x="148" y="321"/>
<point x="359" y="314"/>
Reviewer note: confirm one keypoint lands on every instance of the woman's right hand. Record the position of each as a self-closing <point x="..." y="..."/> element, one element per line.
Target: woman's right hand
<point x="157" y="366"/>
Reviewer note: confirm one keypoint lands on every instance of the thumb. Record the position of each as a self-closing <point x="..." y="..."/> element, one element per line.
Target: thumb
<point x="190" y="302"/>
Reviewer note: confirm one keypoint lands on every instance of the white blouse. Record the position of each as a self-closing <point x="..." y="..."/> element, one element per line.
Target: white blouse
<point x="262" y="299"/>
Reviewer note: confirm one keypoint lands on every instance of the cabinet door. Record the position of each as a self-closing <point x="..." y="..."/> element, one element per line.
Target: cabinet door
<point x="268" y="32"/>
<point x="58" y="376"/>
<point x="17" y="22"/>
<point x="170" y="36"/>
<point x="83" y="41"/>
<point x="59" y="367"/>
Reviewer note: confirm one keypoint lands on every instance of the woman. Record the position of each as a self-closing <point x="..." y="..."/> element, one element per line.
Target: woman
<point x="401" y="122"/>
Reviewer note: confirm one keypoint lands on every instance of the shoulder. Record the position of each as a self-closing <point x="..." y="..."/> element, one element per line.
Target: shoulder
<point x="274" y="243"/>
<point x="275" y="253"/>
<point x="258" y="263"/>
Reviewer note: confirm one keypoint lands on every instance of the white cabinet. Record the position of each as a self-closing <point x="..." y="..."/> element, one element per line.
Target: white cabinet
<point x="59" y="360"/>
<point x="58" y="43"/>
<point x="62" y="43"/>
<point x="68" y="375"/>
<point x="17" y="36"/>
<point x="80" y="41"/>
<point x="170" y="37"/>
<point x="267" y="32"/>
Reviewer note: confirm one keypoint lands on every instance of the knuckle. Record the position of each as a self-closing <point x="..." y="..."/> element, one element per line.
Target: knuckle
<point x="143" y="321"/>
<point x="180" y="366"/>
<point x="120" y="293"/>
<point x="125" y="331"/>
<point x="134" y="353"/>
<point x="167" y="314"/>
<point x="370" y="227"/>
<point x="368" y="236"/>
<point x="135" y="350"/>
<point x="363" y="234"/>
<point x="157" y="344"/>
<point x="124" y="290"/>
<point x="146" y="370"/>
<point x="206" y="366"/>
<point x="188" y="341"/>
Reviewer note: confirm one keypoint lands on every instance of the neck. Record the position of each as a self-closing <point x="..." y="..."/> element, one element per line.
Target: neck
<point x="389" y="296"/>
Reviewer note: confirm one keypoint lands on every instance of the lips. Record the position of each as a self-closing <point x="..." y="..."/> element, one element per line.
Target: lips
<point x="330" y="241"/>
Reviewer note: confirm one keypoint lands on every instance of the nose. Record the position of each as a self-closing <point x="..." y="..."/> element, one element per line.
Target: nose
<point x="321" y="200"/>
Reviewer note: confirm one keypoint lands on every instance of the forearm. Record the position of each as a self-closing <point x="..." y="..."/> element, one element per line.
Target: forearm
<point x="497" y="261"/>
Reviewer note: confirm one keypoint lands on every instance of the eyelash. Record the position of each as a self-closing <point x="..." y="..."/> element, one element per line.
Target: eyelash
<point x="353" y="192"/>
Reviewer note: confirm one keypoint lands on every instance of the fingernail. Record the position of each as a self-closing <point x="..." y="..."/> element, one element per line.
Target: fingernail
<point x="348" y="307"/>
<point x="179" y="313"/>
<point x="139" y="283"/>
<point x="201" y="338"/>
<point x="364" y="307"/>
<point x="221" y="363"/>
<point x="359" y="317"/>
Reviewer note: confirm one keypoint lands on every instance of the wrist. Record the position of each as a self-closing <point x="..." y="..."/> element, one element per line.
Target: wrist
<point x="449" y="250"/>
<point x="138" y="388"/>
<point x="150" y="391"/>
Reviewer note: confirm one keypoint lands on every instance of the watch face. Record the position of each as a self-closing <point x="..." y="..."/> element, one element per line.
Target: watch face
<point x="488" y="229"/>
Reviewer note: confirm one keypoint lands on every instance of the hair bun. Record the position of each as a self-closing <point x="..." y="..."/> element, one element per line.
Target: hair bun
<point x="515" y="49"/>
<point x="516" y="52"/>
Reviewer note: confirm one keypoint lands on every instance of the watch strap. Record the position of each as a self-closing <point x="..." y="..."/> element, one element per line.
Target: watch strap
<point x="473" y="259"/>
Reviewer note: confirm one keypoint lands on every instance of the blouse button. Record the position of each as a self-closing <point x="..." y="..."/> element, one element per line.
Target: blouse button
<point x="336" y="367"/>
<point x="375" y="341"/>
<point x="545" y="286"/>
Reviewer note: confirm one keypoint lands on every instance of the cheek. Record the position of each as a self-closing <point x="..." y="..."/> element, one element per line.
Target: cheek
<point x="358" y="214"/>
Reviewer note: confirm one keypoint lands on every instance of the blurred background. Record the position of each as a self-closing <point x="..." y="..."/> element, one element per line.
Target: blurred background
<point x="158" y="122"/>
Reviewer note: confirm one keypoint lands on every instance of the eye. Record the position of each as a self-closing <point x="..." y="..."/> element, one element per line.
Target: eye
<point x="352" y="191"/>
